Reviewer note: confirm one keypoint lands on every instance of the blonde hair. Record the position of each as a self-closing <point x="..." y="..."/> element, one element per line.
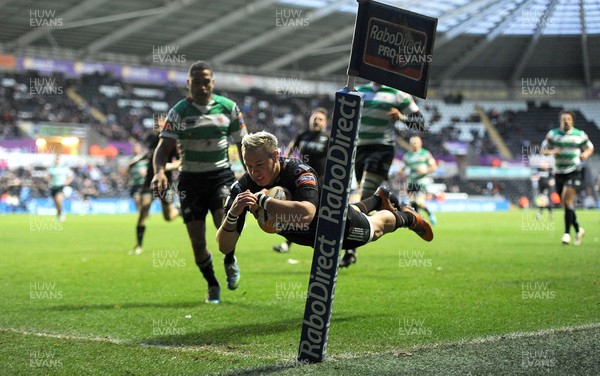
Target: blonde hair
<point x="262" y="140"/>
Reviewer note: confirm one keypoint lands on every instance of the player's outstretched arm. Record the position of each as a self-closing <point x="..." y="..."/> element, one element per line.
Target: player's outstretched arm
<point x="305" y="211"/>
<point x="228" y="233"/>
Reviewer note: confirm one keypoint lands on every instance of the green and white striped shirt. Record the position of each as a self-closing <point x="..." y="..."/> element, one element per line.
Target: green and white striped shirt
<point x="137" y="174"/>
<point x="415" y="161"/>
<point x="571" y="145"/>
<point x="204" y="132"/>
<point x="59" y="174"/>
<point x="376" y="127"/>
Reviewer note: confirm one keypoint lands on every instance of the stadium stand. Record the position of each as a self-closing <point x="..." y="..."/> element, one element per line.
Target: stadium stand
<point x="123" y="111"/>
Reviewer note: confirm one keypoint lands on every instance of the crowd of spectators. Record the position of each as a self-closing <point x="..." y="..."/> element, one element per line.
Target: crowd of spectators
<point x="122" y="111"/>
<point x="128" y="114"/>
<point x="106" y="179"/>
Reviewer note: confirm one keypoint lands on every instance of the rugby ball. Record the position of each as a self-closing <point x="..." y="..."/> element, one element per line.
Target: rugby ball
<point x="269" y="223"/>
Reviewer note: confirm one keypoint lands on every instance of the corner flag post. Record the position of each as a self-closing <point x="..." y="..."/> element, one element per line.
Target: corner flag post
<point x="388" y="46"/>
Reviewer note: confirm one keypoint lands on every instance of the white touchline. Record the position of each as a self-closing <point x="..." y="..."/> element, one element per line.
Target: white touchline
<point x="118" y="341"/>
<point x="475" y="341"/>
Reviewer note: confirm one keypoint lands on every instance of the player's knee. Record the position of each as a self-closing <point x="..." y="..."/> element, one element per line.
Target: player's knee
<point x="223" y="251"/>
<point x="377" y="233"/>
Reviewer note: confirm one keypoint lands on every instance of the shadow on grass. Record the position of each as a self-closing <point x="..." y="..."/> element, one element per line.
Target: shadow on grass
<point x="274" y="369"/>
<point x="230" y="335"/>
<point x="79" y="307"/>
<point x="233" y="335"/>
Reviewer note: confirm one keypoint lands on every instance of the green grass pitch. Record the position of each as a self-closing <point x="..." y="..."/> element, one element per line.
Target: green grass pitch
<point x="73" y="302"/>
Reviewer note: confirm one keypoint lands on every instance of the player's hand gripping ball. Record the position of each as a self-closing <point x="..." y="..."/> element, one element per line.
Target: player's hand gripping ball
<point x="270" y="223"/>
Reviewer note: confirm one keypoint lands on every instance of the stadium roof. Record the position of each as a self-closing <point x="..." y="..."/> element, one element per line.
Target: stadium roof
<point x="486" y="40"/>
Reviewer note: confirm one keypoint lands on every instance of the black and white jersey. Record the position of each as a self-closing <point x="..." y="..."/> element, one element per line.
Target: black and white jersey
<point x="301" y="181"/>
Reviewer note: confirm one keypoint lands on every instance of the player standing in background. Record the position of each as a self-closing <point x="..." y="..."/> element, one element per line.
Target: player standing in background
<point x="169" y="211"/>
<point x="312" y="148"/>
<point x="60" y="175"/>
<point x="138" y="170"/>
<point x="420" y="164"/>
<point x="542" y="182"/>
<point x="366" y="221"/>
<point x="569" y="146"/>
<point x="383" y="108"/>
<point x="203" y="124"/>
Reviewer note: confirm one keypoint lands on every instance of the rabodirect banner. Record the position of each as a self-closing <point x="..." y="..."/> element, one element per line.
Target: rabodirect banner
<point x="393" y="47"/>
<point x="331" y="222"/>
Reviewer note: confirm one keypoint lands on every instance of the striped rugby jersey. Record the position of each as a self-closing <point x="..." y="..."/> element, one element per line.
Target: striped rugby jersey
<point x="59" y="174"/>
<point x="376" y="128"/>
<point x="137" y="174"/>
<point x="571" y="144"/>
<point x="414" y="161"/>
<point x="203" y="132"/>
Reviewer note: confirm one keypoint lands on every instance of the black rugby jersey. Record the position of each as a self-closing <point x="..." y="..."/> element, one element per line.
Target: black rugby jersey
<point x="312" y="147"/>
<point x="302" y="182"/>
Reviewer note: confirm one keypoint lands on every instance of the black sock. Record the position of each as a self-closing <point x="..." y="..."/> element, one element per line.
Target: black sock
<point x="415" y="206"/>
<point x="574" y="219"/>
<point x="427" y="211"/>
<point x="568" y="219"/>
<point x="206" y="268"/>
<point x="404" y="219"/>
<point x="140" y="234"/>
<point x="229" y="257"/>
<point x="369" y="204"/>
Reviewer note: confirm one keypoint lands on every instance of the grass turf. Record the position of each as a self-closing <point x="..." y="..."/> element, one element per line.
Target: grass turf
<point x="100" y="311"/>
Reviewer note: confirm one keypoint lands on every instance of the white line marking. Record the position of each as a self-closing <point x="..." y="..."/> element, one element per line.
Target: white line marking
<point x="118" y="341"/>
<point x="475" y="341"/>
<point x="225" y="351"/>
